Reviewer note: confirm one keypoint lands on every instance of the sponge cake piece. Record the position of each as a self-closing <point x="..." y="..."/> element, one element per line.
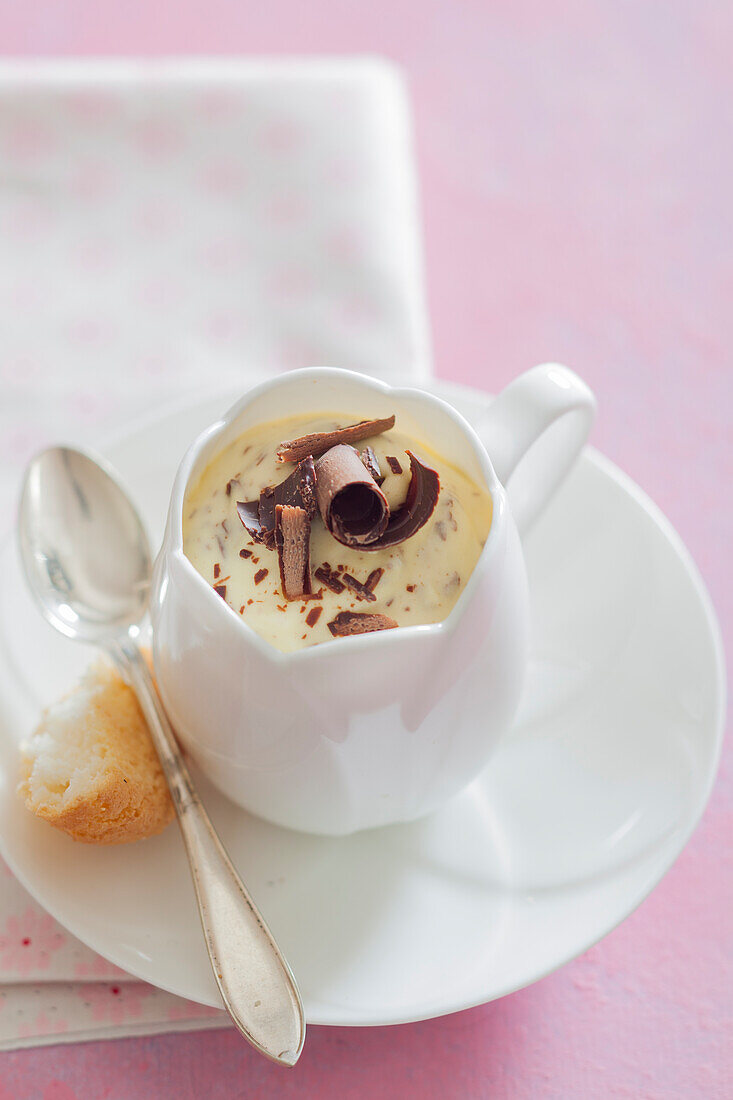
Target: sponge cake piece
<point x="90" y="767"/>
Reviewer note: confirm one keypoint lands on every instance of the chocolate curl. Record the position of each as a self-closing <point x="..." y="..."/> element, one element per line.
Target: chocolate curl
<point x="370" y="460"/>
<point x="297" y="490"/>
<point x="292" y="536"/>
<point x="422" y="496"/>
<point x="359" y="622"/>
<point x="353" y="507"/>
<point x="317" y="443"/>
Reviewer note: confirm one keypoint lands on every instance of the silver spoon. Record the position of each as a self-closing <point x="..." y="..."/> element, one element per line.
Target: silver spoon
<point x="88" y="564"/>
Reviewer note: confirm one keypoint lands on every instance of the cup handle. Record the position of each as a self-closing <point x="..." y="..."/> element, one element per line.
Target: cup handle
<point x="534" y="432"/>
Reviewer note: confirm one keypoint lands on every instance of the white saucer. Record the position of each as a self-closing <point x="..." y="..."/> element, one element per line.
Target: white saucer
<point x="580" y="813"/>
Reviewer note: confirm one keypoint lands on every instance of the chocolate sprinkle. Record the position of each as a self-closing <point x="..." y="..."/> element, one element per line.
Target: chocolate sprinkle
<point x="324" y="574"/>
<point x="422" y="496"/>
<point x="359" y="622"/>
<point x="362" y="591"/>
<point x="374" y="578"/>
<point x="317" y="443"/>
<point x="313" y="616"/>
<point x="260" y="575"/>
<point x="353" y="507"/>
<point x="370" y="460"/>
<point x="292" y="535"/>
<point x="394" y="464"/>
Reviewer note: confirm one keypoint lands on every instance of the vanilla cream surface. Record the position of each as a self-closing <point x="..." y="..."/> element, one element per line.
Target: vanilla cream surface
<point x="422" y="577"/>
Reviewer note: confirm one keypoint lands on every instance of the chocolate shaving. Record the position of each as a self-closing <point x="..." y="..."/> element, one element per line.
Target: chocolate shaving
<point x="324" y="574"/>
<point x="394" y="464"/>
<point x="353" y="507"/>
<point x="245" y="553"/>
<point x="359" y="622"/>
<point x="232" y="481"/>
<point x="221" y="590"/>
<point x="260" y="575"/>
<point x="292" y="535"/>
<point x="266" y="515"/>
<point x="374" y="578"/>
<point x="249" y="513"/>
<point x="313" y="616"/>
<point x="317" y="443"/>
<point x="297" y="490"/>
<point x="422" y="496"/>
<point x="370" y="460"/>
<point x="217" y="570"/>
<point x="361" y="590"/>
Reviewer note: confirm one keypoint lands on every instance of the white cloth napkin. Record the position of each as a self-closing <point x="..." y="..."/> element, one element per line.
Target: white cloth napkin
<point x="167" y="226"/>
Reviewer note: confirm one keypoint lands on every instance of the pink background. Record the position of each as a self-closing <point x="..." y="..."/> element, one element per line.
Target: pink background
<point x="575" y="161"/>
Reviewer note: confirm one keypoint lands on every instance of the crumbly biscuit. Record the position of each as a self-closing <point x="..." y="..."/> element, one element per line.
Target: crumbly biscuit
<point x="90" y="767"/>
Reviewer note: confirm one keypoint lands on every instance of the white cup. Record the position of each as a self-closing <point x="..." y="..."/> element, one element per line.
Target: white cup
<point x="376" y="728"/>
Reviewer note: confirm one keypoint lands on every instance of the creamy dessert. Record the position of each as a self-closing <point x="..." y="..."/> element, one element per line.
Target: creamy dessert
<point x="316" y="527"/>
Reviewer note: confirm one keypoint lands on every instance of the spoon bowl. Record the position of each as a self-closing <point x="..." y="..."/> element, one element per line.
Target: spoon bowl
<point x="84" y="549"/>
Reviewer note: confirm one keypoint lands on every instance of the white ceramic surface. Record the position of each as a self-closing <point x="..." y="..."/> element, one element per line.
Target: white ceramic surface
<point x="375" y="729"/>
<point x="583" y="808"/>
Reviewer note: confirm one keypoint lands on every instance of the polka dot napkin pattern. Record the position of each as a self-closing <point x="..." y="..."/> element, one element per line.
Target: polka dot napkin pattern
<point x="166" y="227"/>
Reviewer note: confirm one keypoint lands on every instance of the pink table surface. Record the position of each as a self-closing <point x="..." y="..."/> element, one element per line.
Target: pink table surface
<point x="576" y="164"/>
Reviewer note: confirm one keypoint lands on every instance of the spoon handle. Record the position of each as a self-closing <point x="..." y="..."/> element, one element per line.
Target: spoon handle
<point x="256" y="983"/>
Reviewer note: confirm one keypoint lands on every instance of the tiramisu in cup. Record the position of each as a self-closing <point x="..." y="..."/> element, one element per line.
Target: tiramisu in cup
<point x="340" y="610"/>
